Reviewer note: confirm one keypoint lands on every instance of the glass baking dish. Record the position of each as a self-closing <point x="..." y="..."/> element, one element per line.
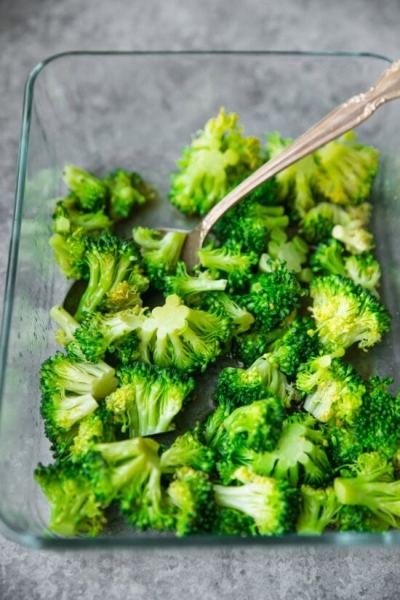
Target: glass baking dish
<point x="136" y="110"/>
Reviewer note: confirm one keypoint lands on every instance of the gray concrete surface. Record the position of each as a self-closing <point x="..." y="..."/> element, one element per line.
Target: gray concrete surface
<point x="30" y="30"/>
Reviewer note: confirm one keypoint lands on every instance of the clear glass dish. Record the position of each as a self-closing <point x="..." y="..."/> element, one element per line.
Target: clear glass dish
<point x="101" y="110"/>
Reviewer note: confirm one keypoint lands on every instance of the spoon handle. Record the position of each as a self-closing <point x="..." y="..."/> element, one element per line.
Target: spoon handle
<point x="345" y="117"/>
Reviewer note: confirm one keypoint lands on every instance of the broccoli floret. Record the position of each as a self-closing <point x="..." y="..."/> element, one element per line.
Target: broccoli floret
<point x="244" y="386"/>
<point x="271" y="503"/>
<point x="160" y="254"/>
<point x="75" y="507"/>
<point x="364" y="270"/>
<point x="69" y="217"/>
<point x="351" y="517"/>
<point x="148" y="399"/>
<point x="370" y="483"/>
<point x="317" y="224"/>
<point x="217" y="158"/>
<point x="91" y="192"/>
<point x="237" y="266"/>
<point x="296" y="346"/>
<point x="250" y="224"/>
<point x="328" y="258"/>
<point x="319" y="508"/>
<point x="76" y="377"/>
<point x="61" y="411"/>
<point x="348" y="169"/>
<point x="126" y="190"/>
<point x="185" y="286"/>
<point x="293" y="253"/>
<point x="94" y="429"/>
<point x="355" y="239"/>
<point x="68" y="253"/>
<point x="334" y="389"/>
<point x="110" y="260"/>
<point x="187" y="451"/>
<point x="224" y="305"/>
<point x="229" y="521"/>
<point x="300" y="455"/>
<point x="192" y="494"/>
<point x="250" y="346"/>
<point x="346" y="313"/>
<point x="272" y="297"/>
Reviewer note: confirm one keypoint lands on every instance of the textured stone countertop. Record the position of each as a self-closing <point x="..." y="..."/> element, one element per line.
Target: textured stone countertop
<point x="31" y="30"/>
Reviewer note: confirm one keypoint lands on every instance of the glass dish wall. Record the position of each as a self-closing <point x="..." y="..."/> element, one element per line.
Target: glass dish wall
<point x="136" y="111"/>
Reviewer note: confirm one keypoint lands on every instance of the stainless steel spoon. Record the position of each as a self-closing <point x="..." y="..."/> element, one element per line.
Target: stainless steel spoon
<point x="343" y="118"/>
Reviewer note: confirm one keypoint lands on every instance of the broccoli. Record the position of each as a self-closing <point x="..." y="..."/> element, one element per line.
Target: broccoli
<point x="148" y="399"/>
<point x="76" y="377"/>
<point x="272" y="297"/>
<point x="110" y="260"/>
<point x="160" y="254"/>
<point x="237" y="266"/>
<point x="319" y="508"/>
<point x="271" y="503"/>
<point x="355" y="239"/>
<point x="126" y="189"/>
<point x="69" y="252"/>
<point x="296" y="346"/>
<point x="295" y="183"/>
<point x="224" y="305"/>
<point x="293" y="253"/>
<point x="334" y="389"/>
<point x="370" y="483"/>
<point x="249" y="224"/>
<point x="187" y="287"/>
<point x="244" y="386"/>
<point x="94" y="429"/>
<point x="328" y="258"/>
<point x="364" y="270"/>
<point x="192" y="493"/>
<point x="229" y="521"/>
<point x="217" y="158"/>
<point x="91" y="191"/>
<point x="299" y="457"/>
<point x="248" y="347"/>
<point x="317" y="224"/>
<point x="75" y="507"/>
<point x="374" y="425"/>
<point x="351" y="517"/>
<point x="187" y="451"/>
<point x="348" y="169"/>
<point x="69" y="217"/>
<point x="61" y="411"/>
<point x="346" y="313"/>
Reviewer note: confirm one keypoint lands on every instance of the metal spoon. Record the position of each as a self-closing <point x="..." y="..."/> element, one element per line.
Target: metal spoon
<point x="343" y="118"/>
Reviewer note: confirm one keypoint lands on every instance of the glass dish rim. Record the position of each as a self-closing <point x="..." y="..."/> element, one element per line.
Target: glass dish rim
<point x="33" y="540"/>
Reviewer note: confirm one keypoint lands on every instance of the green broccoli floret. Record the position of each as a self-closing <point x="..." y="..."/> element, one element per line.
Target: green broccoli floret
<point x="69" y="216"/>
<point x="317" y="224"/>
<point x="296" y="346"/>
<point x="148" y="399"/>
<point x="351" y="517"/>
<point x="348" y="169"/>
<point x="355" y="239"/>
<point x="319" y="508"/>
<point x="75" y="507"/>
<point x="271" y="503"/>
<point x="68" y="253"/>
<point x="187" y="287"/>
<point x="192" y="494"/>
<point x="328" y="258"/>
<point x="61" y="411"/>
<point x="334" y="389"/>
<point x="346" y="313"/>
<point x="160" y="254"/>
<point x="296" y="183"/>
<point x="224" y="305"/>
<point x="229" y="261"/>
<point x="217" y="158"/>
<point x="370" y="483"/>
<point x="110" y="260"/>
<point x="249" y="224"/>
<point x="364" y="270"/>
<point x="229" y="521"/>
<point x="272" y="297"/>
<point x="91" y="191"/>
<point x="187" y="451"/>
<point x="299" y="457"/>
<point x="76" y="377"/>
<point x="94" y="429"/>
<point x="293" y="252"/>
<point x="374" y="425"/>
<point x="126" y="190"/>
<point x="250" y="346"/>
<point x="244" y="386"/>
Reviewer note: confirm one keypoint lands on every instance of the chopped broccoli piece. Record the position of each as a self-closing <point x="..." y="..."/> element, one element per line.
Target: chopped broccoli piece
<point x="355" y="239"/>
<point x="319" y="508"/>
<point x="293" y="253"/>
<point x="229" y="521"/>
<point x="91" y="192"/>
<point x="346" y="313"/>
<point x="69" y="217"/>
<point x="364" y="270"/>
<point x="148" y="399"/>
<point x="359" y="518"/>
<point x="224" y="305"/>
<point x="296" y="346"/>
<point x="237" y="266"/>
<point x="126" y="190"/>
<point x="184" y="285"/>
<point x="271" y="503"/>
<point x="218" y="157"/>
<point x="69" y="252"/>
<point x="187" y="451"/>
